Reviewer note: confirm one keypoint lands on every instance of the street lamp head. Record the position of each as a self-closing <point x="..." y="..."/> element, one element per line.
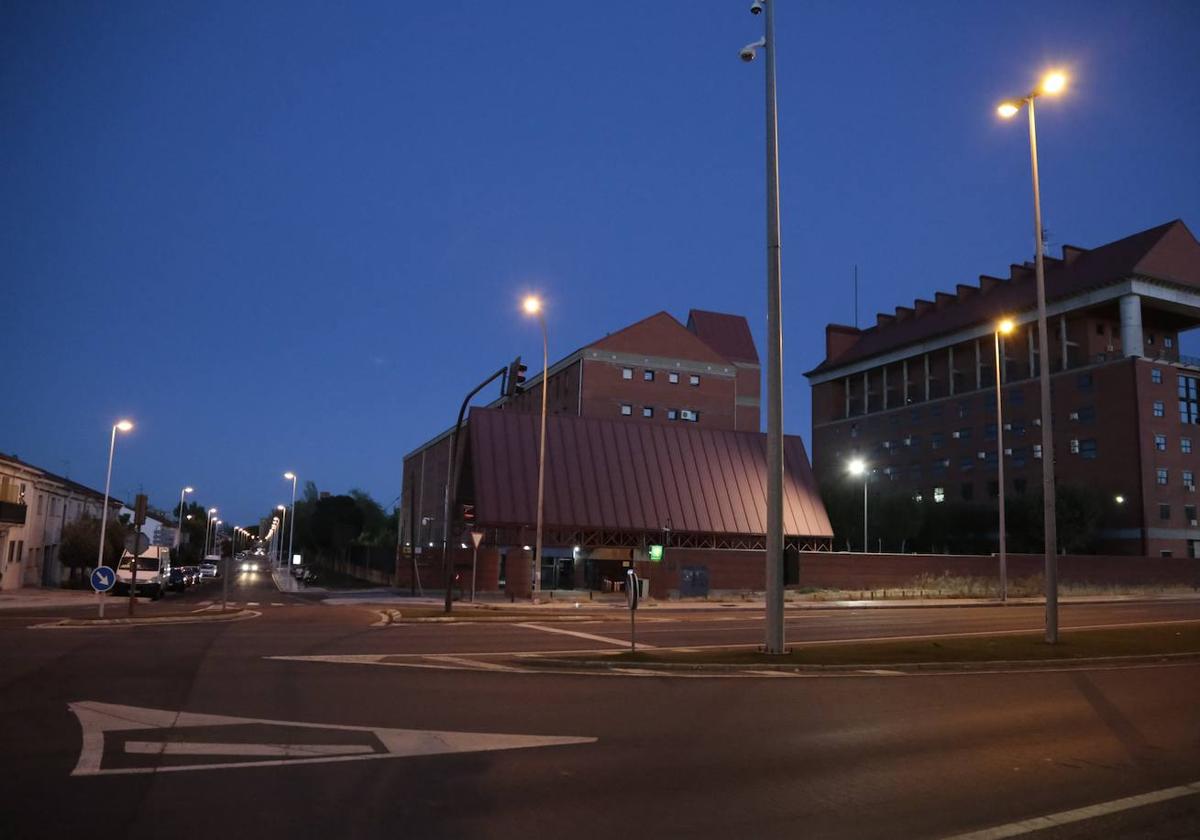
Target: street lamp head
<point x="751" y="50"/>
<point x="289" y="476"/>
<point x="280" y="507"/>
<point x="123" y="425"/>
<point x="1005" y="326"/>
<point x="756" y="7"/>
<point x="1054" y="82"/>
<point x="532" y="305"/>
<point x="188" y="490"/>
<point x="212" y="510"/>
<point x="857" y="467"/>
<point x="1007" y="110"/>
<point x="1119" y="500"/>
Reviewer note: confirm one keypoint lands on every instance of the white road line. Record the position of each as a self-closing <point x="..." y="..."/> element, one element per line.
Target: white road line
<point x="590" y="636"/>
<point x="475" y="664"/>
<point x="273" y="603"/>
<point x="262" y="750"/>
<point x="1091" y="812"/>
<point x="252" y="603"/>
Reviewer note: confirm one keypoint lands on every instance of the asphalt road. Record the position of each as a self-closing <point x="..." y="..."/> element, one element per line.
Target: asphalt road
<point x="86" y="713"/>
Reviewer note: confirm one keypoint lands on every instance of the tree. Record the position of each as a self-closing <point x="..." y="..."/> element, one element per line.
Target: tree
<point x="377" y="528"/>
<point x="336" y="522"/>
<point x="81" y="542"/>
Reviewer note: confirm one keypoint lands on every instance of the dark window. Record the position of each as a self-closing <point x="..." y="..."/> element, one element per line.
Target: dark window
<point x="1099" y="331"/>
<point x="914" y="415"/>
<point x="1164" y="512"/>
<point x="1086" y="415"/>
<point x="989" y="432"/>
<point x="1189" y="400"/>
<point x="1019" y="456"/>
<point x="1189" y="514"/>
<point x="964" y="408"/>
<point x="648" y="375"/>
<point x="961" y="434"/>
<point x="1015" y="397"/>
<point x="1087" y="448"/>
<point x="967" y="491"/>
<point x="1084" y="382"/>
<point x="935" y="442"/>
<point x="965" y="464"/>
<point x="1020" y="485"/>
<point x="993" y="491"/>
<point x="934" y="411"/>
<point x="1017" y="430"/>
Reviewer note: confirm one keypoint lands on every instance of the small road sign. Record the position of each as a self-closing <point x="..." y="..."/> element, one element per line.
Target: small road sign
<point x="103" y="579"/>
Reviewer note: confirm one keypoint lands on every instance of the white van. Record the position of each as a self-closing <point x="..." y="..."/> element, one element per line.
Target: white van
<point x="153" y="572"/>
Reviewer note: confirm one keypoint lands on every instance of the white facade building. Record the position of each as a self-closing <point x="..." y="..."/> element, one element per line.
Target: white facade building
<point x="34" y="507"/>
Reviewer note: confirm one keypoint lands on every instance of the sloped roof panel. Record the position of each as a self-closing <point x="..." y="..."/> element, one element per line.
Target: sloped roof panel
<point x="617" y="474"/>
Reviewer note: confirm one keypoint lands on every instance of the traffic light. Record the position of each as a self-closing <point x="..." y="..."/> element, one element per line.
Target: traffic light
<point x="515" y="381"/>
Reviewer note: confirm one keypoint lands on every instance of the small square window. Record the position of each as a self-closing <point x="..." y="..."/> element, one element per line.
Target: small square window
<point x="692" y="380"/>
<point x="626" y="409"/>
<point x="939" y="495"/>
<point x="627" y="373"/>
<point x="672" y="377"/>
<point x="1087" y="449"/>
<point x="647" y="411"/>
<point x="1083" y="381"/>
<point x="1156" y="375"/>
<point x="672" y="414"/>
<point x="689" y="415"/>
<point x="1157" y="409"/>
<point x="648" y="375"/>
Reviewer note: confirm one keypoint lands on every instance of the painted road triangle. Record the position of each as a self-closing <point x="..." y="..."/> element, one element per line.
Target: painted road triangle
<point x="122" y="740"/>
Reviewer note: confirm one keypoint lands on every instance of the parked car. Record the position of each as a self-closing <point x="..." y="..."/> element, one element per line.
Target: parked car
<point x="209" y="570"/>
<point x="153" y="572"/>
<point x="176" y="579"/>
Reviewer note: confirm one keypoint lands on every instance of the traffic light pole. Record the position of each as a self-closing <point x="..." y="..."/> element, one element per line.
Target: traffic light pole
<point x="452" y="481"/>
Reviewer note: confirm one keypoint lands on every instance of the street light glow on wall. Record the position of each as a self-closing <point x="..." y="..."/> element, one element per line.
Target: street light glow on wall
<point x="858" y="467"/>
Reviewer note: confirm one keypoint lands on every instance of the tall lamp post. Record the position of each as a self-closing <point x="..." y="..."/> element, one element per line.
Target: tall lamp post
<point x="774" y="542"/>
<point x="119" y="426"/>
<point x="282" y="524"/>
<point x="207" y="528"/>
<point x="858" y="467"/>
<point x="1003" y="328"/>
<point x="533" y="306"/>
<point x="1051" y="84"/>
<point x="292" y="533"/>
<point x="179" y="527"/>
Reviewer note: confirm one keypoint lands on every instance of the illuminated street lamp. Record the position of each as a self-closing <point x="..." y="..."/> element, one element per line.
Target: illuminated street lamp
<point x="858" y="467"/>
<point x="1003" y="328"/>
<point x="207" y="528"/>
<point x="774" y="641"/>
<point x="1052" y="83"/>
<point x="282" y="519"/>
<point x="119" y="426"/>
<point x="533" y="306"/>
<point x="291" y="476"/>
<point x="179" y="527"/>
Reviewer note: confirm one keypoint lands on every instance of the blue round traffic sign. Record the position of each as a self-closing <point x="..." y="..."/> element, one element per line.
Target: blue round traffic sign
<point x="103" y="579"/>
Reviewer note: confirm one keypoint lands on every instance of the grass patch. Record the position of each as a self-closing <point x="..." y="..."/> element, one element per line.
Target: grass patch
<point x="1082" y="644"/>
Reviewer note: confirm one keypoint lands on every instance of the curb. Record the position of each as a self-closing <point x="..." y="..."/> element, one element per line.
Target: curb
<point x="396" y="617"/>
<point x="874" y="668"/>
<point x="76" y="623"/>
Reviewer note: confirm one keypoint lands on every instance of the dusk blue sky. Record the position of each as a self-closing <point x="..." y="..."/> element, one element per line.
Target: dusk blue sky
<point x="292" y="235"/>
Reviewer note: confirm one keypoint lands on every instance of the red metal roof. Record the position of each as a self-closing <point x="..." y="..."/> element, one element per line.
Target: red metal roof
<point x="1168" y="252"/>
<point x="617" y="474"/>
<point x="728" y="334"/>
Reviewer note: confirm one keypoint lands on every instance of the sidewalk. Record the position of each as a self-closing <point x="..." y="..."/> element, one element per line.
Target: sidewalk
<point x="32" y="598"/>
<point x="561" y="601"/>
<point x="284" y="582"/>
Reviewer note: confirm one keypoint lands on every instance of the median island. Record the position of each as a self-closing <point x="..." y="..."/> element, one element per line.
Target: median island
<point x="1175" y="639"/>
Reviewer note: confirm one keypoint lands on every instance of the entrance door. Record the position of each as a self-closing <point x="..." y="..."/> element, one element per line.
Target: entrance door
<point x="693" y="581"/>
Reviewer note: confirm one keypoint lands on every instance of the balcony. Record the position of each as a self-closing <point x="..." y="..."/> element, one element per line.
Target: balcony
<point x="12" y="504"/>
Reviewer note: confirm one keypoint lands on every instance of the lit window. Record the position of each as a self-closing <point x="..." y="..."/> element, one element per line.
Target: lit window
<point x="626" y="410"/>
<point x="648" y="375"/>
<point x="692" y="380"/>
<point x="1189" y="480"/>
<point x="939" y="494"/>
<point x="673" y="378"/>
<point x="1168" y="342"/>
<point x="647" y="411"/>
<point x="1037" y="450"/>
<point x="1160" y="443"/>
<point x="1185" y="446"/>
<point x="1156" y="375"/>
<point x="1161" y="476"/>
<point x="689" y="415"/>
<point x="627" y="373"/>
<point x="1158" y="409"/>
<point x="672" y="414"/>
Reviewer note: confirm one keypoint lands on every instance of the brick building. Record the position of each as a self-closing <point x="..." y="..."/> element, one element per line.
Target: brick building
<point x="699" y="379"/>
<point x="914" y="395"/>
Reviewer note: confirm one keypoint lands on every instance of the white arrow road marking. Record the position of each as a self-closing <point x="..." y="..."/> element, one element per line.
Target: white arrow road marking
<point x="204" y="748"/>
<point x="98" y="718"/>
<point x="590" y="636"/>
